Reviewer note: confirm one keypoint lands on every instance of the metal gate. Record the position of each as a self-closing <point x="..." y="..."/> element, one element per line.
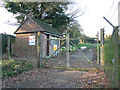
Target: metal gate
<point x="71" y="56"/>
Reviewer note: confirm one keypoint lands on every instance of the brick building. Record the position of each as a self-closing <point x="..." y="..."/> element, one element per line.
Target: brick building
<point x="26" y="44"/>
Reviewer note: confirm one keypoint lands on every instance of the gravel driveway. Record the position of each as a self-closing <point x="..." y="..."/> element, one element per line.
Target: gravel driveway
<point x="78" y="59"/>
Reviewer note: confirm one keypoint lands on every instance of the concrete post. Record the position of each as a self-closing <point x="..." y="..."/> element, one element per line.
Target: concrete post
<point x="67" y="46"/>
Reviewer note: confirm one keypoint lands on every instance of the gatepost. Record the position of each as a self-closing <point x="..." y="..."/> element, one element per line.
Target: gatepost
<point x="39" y="50"/>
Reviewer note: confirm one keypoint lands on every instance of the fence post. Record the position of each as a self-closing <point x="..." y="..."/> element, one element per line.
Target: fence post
<point x="83" y="41"/>
<point x="67" y="46"/>
<point x="115" y="64"/>
<point x="1" y="47"/>
<point x="101" y="48"/>
<point x="38" y="50"/>
<point x="98" y="48"/>
<point x="8" y="40"/>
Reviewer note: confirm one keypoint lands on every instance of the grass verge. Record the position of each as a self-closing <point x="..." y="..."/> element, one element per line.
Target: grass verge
<point x="72" y="69"/>
<point x="11" y="68"/>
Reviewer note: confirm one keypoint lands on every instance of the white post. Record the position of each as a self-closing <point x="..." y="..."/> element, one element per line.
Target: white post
<point x="97" y="47"/>
<point x="67" y="46"/>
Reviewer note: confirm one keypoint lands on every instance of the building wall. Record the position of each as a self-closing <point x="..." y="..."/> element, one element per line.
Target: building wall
<point x="44" y="45"/>
<point x="29" y="26"/>
<point x="22" y="47"/>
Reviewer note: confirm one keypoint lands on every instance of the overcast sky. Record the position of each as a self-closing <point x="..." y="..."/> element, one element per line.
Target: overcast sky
<point x="91" y="21"/>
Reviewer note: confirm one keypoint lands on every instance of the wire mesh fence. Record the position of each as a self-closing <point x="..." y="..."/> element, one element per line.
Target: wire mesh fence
<point x="111" y="58"/>
<point x="72" y="55"/>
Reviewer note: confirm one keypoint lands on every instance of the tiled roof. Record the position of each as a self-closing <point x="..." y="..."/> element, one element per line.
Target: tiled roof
<point x="46" y="27"/>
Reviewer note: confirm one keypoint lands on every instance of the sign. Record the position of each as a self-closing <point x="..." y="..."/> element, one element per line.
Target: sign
<point x="31" y="40"/>
<point x="54" y="42"/>
<point x="54" y="47"/>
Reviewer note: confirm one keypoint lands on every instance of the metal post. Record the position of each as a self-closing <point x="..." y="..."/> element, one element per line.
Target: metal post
<point x="115" y="64"/>
<point x="109" y="22"/>
<point x="67" y="46"/>
<point x="98" y="48"/>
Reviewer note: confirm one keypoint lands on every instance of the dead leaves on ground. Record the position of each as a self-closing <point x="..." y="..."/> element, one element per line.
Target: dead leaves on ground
<point x="89" y="79"/>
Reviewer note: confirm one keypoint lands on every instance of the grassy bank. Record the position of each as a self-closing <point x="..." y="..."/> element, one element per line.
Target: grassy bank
<point x="11" y="68"/>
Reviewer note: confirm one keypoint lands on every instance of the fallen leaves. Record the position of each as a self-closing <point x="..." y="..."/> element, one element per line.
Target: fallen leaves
<point x="56" y="78"/>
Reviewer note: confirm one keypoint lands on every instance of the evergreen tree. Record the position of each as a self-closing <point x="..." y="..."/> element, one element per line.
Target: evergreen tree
<point x="51" y="13"/>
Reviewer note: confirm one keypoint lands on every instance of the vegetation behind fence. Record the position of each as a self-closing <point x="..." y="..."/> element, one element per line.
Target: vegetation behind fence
<point x="4" y="44"/>
<point x="109" y="58"/>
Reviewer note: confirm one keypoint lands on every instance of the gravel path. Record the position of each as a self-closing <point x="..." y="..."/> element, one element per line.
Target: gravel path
<point x="57" y="78"/>
<point x="77" y="60"/>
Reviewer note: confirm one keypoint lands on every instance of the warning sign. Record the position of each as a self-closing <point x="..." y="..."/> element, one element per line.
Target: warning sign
<point x="31" y="40"/>
<point x="54" y="47"/>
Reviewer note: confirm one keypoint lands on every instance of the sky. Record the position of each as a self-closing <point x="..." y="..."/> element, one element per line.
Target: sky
<point x="7" y="21"/>
<point x="91" y="21"/>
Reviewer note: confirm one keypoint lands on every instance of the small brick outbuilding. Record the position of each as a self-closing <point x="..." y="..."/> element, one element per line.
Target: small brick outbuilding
<point x="26" y="43"/>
